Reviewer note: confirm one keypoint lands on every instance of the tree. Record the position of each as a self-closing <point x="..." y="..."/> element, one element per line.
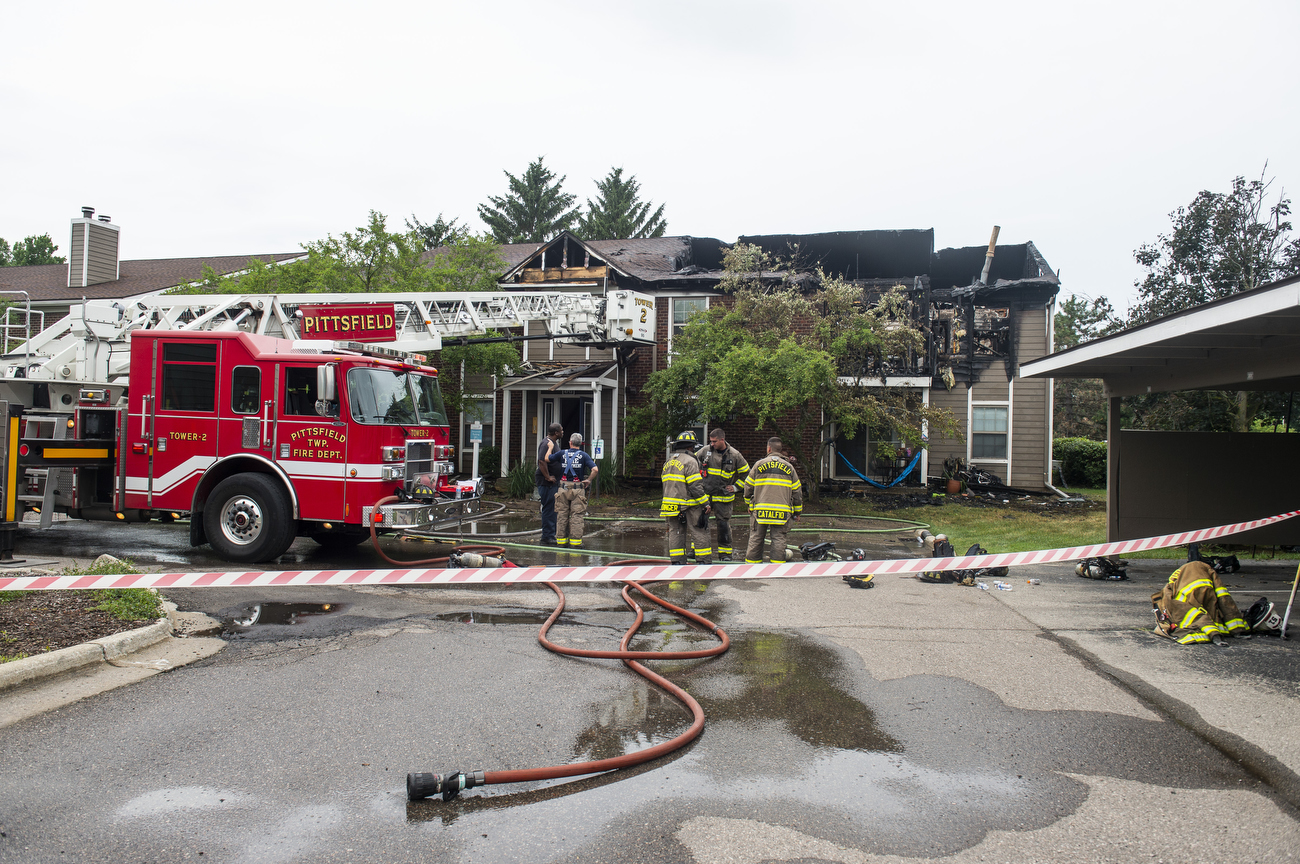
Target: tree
<point x="535" y="209"/>
<point x="30" y="250"/>
<point x="618" y="212"/>
<point x="373" y="259"/>
<point x="752" y="358"/>
<point x="1221" y="244"/>
<point x="439" y="233"/>
<point x="1079" y="404"/>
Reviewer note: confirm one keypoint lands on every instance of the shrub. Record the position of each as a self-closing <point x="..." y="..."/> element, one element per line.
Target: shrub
<point x="489" y="462"/>
<point x="520" y="480"/>
<point x="1083" y="461"/>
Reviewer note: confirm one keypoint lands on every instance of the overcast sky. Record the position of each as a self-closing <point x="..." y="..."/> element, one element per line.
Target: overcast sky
<point x="245" y="127"/>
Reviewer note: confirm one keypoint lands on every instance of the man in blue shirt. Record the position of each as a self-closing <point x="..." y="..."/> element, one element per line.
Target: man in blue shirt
<point x="571" y="500"/>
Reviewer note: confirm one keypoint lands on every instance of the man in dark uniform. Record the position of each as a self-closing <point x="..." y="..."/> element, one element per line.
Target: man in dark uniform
<point x="546" y="483"/>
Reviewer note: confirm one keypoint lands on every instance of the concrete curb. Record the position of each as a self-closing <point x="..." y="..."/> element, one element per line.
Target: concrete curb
<point x="41" y="666"/>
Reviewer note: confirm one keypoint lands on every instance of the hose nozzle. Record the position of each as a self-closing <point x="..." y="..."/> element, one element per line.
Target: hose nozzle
<point x="421" y="785"/>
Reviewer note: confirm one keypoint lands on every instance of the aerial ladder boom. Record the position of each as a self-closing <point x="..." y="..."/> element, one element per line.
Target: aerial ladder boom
<point x="91" y="345"/>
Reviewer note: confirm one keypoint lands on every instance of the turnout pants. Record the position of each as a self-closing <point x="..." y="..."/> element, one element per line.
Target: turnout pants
<point x="570" y="510"/>
<point x="699" y="537"/>
<point x="759" y="530"/>
<point x="722" y="513"/>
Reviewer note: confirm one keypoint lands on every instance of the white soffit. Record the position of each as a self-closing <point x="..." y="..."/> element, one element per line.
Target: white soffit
<point x="1242" y="339"/>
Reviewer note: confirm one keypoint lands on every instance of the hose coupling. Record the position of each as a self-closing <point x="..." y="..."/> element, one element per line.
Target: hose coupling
<point x="472" y="560"/>
<point x="421" y="785"/>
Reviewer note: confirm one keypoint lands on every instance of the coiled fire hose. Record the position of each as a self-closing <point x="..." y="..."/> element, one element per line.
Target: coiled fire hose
<point x="420" y="785"/>
<point x="495" y="551"/>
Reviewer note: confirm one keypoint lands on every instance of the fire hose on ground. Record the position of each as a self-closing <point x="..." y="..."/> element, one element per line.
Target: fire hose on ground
<point x="421" y="785"/>
<point x="452" y="558"/>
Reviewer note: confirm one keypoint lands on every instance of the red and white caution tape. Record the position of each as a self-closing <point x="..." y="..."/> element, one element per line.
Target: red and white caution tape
<point x="653" y="572"/>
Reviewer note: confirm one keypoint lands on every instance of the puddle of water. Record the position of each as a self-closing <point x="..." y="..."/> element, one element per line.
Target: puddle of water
<point x="276" y="613"/>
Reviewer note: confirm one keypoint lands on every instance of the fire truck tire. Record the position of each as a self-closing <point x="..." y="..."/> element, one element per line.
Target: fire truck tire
<point x="248" y="519"/>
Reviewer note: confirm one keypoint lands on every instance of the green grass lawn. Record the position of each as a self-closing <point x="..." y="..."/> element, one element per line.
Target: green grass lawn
<point x="998" y="528"/>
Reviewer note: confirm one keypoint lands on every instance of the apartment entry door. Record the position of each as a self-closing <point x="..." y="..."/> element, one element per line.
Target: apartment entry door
<point x="574" y="414"/>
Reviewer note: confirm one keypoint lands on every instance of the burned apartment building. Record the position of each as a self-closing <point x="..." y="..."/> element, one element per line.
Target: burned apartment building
<point x="977" y="334"/>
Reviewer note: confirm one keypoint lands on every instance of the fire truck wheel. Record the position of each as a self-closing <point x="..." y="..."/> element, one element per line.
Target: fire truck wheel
<point x="248" y="519"/>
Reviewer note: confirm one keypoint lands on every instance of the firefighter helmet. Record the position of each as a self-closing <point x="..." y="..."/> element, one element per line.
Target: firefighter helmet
<point x="1263" y="617"/>
<point x="685" y="439"/>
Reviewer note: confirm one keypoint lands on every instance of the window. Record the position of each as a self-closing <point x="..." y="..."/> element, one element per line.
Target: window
<point x="300" y="391"/>
<point x="680" y="311"/>
<point x="380" y="396"/>
<point x="245" y="389"/>
<point x="189" y="377"/>
<point x="988" y="433"/>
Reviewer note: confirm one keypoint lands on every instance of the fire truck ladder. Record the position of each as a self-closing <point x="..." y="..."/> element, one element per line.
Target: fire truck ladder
<point x="90" y="344"/>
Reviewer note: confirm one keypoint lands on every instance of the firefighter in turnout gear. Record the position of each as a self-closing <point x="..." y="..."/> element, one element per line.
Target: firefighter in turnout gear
<point x="723" y="467"/>
<point x="571" y="500"/>
<point x="685" y="501"/>
<point x="1194" y="607"/>
<point x="775" y="497"/>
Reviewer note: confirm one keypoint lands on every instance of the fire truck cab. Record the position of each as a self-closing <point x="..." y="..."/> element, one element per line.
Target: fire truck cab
<point x="262" y="439"/>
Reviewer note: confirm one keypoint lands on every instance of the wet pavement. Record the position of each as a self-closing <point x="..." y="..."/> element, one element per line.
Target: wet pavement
<point x="910" y="721"/>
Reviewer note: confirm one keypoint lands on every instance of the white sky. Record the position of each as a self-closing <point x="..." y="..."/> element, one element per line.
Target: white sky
<point x="244" y="127"/>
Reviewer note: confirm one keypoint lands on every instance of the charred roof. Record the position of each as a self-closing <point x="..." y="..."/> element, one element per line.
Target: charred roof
<point x="856" y="254"/>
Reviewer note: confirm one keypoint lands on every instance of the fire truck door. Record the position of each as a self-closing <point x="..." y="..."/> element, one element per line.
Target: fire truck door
<point x="180" y="421"/>
<point x="310" y="448"/>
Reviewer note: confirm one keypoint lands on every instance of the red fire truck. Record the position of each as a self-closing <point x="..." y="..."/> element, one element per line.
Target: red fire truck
<point x="257" y="438"/>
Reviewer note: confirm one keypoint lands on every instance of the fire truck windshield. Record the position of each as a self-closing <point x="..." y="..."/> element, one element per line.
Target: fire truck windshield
<point x="382" y="397"/>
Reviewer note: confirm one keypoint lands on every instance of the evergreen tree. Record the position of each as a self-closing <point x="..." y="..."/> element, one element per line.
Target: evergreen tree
<point x="535" y="209"/>
<point x="438" y="233"/>
<point x="618" y="212"/>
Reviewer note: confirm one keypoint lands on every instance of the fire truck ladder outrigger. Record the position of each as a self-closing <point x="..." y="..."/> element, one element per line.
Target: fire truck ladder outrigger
<point x="261" y="417"/>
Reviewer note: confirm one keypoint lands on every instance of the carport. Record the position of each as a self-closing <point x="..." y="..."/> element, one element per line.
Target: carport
<point x="1163" y="482"/>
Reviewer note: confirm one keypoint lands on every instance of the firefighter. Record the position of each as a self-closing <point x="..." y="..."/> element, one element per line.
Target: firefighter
<point x="722" y="467"/>
<point x="571" y="500"/>
<point x="685" y="501"/>
<point x="1194" y="607"/>
<point x="775" y="497"/>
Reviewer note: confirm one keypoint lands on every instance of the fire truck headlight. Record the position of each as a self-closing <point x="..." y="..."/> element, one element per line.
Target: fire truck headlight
<point x="392" y="472"/>
<point x="393" y="454"/>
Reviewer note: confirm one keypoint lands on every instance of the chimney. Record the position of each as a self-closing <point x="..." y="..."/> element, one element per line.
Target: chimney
<point x="93" y="256"/>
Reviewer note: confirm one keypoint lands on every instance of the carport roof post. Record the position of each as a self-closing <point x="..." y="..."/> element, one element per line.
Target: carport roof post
<point x="1250" y="341"/>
